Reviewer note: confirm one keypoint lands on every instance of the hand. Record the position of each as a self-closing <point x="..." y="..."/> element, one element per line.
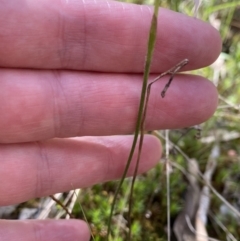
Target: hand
<point x="71" y="69"/>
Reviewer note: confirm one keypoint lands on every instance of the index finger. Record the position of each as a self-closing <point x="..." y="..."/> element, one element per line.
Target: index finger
<point x="99" y="35"/>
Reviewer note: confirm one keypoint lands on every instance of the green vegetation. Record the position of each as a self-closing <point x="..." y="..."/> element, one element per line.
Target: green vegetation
<point x="149" y="214"/>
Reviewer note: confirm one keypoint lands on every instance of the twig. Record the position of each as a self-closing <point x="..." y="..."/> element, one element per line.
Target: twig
<point x="48" y="204"/>
<point x="229" y="104"/>
<point x="68" y="199"/>
<point x="188" y="221"/>
<point x="221" y="225"/>
<point x="62" y="206"/>
<point x="205" y="182"/>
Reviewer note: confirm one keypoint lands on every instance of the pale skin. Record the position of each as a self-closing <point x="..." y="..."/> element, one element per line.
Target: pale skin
<point x="74" y="69"/>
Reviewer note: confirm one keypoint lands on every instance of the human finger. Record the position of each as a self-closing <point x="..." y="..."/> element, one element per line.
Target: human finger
<point x="98" y="35"/>
<point x="39" y="105"/>
<point x="30" y="170"/>
<point x="42" y="230"/>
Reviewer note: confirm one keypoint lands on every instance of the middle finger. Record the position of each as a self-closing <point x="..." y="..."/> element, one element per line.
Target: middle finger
<point x="38" y="105"/>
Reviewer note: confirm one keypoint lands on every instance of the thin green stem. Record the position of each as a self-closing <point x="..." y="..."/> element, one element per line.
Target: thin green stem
<point x="151" y="44"/>
<point x="172" y="73"/>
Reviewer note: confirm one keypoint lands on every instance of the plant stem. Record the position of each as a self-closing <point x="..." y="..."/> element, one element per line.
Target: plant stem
<point x="151" y="44"/>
